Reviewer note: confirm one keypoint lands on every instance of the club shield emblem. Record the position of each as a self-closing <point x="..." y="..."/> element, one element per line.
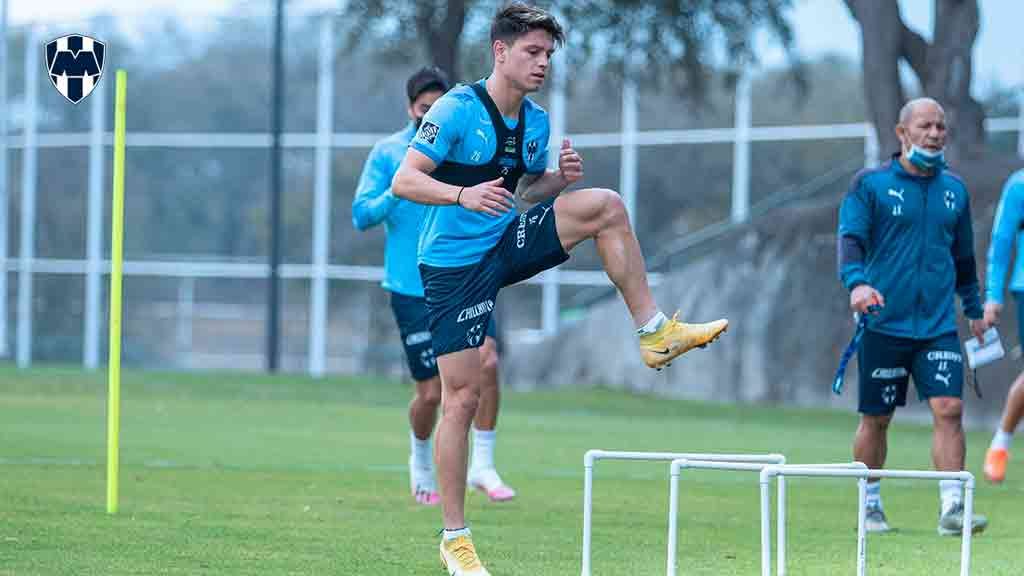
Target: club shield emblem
<point x="74" y="64"/>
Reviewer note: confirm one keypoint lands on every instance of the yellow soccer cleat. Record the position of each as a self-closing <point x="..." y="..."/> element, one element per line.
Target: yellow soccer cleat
<point x="995" y="464"/>
<point x="459" y="558"/>
<point x="675" y="338"/>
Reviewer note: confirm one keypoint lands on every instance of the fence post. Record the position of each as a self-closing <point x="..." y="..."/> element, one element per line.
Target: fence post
<point x="871" y="147"/>
<point x="628" y="157"/>
<point x="322" y="200"/>
<point x="28" y="200"/>
<point x="4" y="191"/>
<point x="741" y="150"/>
<point x="551" y="287"/>
<point x="1020" y="122"/>
<point x="94" y="232"/>
<point x="186" y="316"/>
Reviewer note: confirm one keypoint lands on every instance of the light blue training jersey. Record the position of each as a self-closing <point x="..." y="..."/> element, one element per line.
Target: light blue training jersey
<point x="374" y="203"/>
<point x="1007" y="229"/>
<point x="458" y="129"/>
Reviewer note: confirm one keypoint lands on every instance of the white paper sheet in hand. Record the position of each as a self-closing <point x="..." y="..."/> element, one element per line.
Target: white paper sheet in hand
<point x="981" y="354"/>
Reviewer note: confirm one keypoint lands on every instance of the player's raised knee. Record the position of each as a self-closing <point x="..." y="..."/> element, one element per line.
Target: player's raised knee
<point x="603" y="205"/>
<point x="613" y="209"/>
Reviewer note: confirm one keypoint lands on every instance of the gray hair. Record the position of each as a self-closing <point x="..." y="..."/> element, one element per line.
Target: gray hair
<point x="908" y="109"/>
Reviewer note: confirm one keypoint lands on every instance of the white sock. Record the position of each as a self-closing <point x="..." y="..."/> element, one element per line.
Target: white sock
<point x="1001" y="441"/>
<point x="483" y="449"/>
<point x="874" y="495"/>
<point x="453" y="534"/>
<point x="653" y="324"/>
<point x="421" y="453"/>
<point x="949" y="493"/>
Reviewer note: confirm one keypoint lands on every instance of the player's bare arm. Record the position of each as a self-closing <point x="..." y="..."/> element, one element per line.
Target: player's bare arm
<point x="413" y="182"/>
<point x="535" y="188"/>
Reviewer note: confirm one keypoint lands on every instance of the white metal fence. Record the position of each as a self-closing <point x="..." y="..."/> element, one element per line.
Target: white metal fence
<point x="323" y="141"/>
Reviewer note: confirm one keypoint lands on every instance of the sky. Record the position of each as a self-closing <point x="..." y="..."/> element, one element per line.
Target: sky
<point x="821" y="26"/>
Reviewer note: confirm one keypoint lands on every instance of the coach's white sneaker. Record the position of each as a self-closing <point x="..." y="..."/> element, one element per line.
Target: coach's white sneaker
<point x="951" y="523"/>
<point x="458" y="556"/>
<point x="875" y="520"/>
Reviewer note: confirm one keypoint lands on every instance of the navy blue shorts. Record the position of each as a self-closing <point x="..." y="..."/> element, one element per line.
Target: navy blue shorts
<point x="414" y="327"/>
<point x="460" y="300"/>
<point x="887" y="362"/>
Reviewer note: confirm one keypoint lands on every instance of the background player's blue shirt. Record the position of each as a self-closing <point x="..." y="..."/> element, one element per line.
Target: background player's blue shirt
<point x="374" y="203"/>
<point x="458" y="129"/>
<point x="1007" y="229"/>
<point x="919" y="245"/>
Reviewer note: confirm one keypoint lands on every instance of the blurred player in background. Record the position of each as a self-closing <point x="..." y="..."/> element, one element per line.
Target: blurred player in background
<point x="374" y="203"/>
<point x="906" y="247"/>
<point x="1006" y="230"/>
<point x="479" y="145"/>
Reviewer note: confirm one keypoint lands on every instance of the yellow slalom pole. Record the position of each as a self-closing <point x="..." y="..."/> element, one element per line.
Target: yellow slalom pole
<point x="116" y="262"/>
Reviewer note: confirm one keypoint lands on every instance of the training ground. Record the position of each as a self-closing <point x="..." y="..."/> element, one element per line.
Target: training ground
<point x="227" y="474"/>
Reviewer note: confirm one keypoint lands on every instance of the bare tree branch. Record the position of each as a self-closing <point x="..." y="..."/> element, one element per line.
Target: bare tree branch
<point x="881" y="42"/>
<point x="914" y="49"/>
<point x="951" y="60"/>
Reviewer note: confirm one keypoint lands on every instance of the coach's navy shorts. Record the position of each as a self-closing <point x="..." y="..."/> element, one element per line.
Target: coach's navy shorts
<point x="460" y="299"/>
<point x="886" y="363"/>
<point x="414" y="327"/>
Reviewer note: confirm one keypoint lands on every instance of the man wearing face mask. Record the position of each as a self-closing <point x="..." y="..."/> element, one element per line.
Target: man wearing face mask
<point x="373" y="204"/>
<point x="906" y="246"/>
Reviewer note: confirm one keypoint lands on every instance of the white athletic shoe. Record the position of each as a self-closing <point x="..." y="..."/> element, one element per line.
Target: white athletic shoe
<point x="952" y="522"/>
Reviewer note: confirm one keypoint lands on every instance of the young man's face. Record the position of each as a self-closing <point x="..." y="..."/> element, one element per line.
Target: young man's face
<point x="525" y="62"/>
<point x="418" y="108"/>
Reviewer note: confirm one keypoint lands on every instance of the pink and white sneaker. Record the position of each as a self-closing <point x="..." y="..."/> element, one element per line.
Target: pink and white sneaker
<point x="488" y="482"/>
<point x="423" y="486"/>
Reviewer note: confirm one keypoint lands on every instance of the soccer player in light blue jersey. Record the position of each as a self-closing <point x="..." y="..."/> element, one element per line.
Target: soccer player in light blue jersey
<point x="478" y="146"/>
<point x="1007" y="231"/>
<point x="374" y="204"/>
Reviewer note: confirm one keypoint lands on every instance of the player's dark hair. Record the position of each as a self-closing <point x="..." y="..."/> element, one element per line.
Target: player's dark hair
<point x="426" y="79"/>
<point x="517" y="19"/>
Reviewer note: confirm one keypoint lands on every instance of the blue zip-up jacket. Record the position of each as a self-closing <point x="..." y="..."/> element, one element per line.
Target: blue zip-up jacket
<point x="1007" y="228"/>
<point x="374" y="203"/>
<point x="918" y="249"/>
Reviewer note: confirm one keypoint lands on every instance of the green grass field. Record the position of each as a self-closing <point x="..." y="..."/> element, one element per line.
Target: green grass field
<point x="239" y="474"/>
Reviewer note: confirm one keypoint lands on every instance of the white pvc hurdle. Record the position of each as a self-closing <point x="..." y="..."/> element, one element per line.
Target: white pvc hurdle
<point x="673" y="503"/>
<point x="592" y="456"/>
<point x="770" y="472"/>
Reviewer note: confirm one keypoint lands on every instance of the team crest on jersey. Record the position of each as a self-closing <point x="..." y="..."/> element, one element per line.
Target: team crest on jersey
<point x="510" y="144"/>
<point x="74" y="64"/>
<point x="531" y="151"/>
<point x="428" y="132"/>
